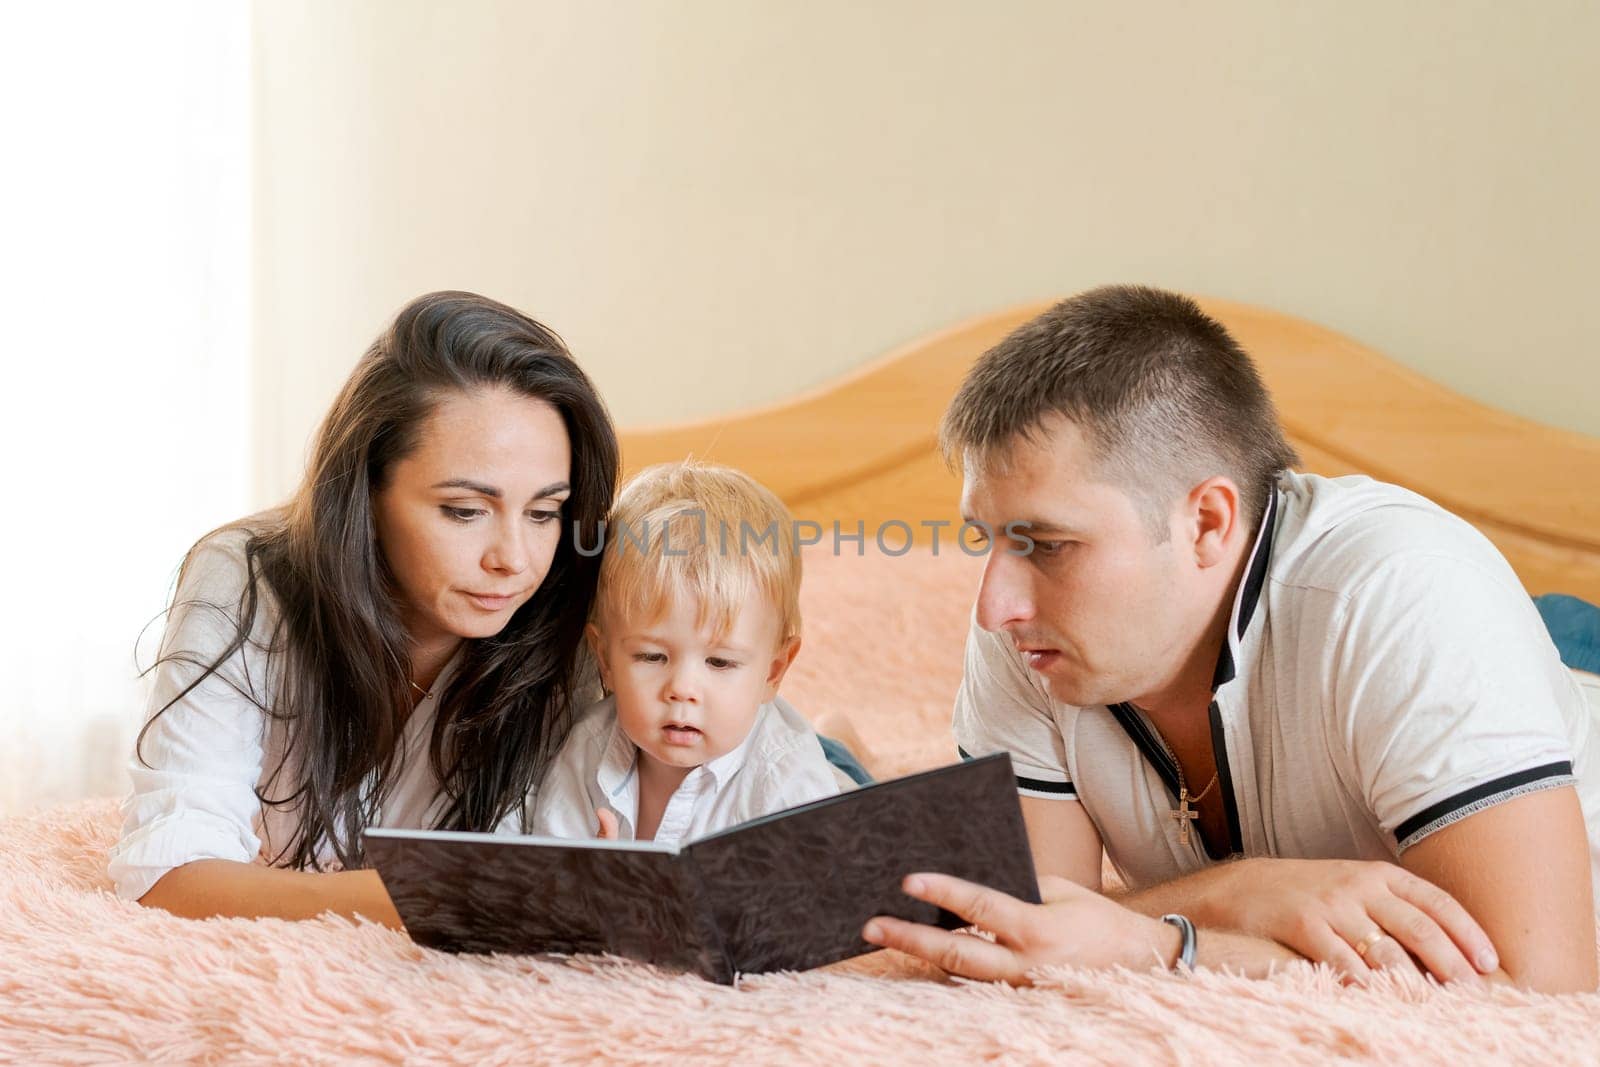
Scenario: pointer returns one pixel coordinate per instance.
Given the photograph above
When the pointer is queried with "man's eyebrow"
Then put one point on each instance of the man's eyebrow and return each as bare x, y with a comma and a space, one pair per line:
493, 493
1041, 526
1030, 526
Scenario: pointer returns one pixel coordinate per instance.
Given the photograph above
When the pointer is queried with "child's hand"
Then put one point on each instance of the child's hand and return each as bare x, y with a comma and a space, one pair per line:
609, 829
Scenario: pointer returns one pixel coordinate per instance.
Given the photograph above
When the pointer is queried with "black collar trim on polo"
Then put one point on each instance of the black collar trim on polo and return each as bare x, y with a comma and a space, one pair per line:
1249, 595
1145, 739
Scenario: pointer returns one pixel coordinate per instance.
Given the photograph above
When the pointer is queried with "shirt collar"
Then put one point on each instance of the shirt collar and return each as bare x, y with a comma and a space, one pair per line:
616, 769
1248, 596
616, 773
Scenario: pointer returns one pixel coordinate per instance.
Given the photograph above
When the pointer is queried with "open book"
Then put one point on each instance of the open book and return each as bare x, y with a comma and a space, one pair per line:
788, 891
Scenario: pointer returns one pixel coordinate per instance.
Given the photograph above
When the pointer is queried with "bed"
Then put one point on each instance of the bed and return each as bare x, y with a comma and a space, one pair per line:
87, 977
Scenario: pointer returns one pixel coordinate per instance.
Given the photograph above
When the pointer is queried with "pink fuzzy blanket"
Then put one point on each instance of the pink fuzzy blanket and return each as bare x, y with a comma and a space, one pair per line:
85, 977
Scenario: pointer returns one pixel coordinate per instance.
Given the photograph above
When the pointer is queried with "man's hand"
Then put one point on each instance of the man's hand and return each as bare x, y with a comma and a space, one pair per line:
1074, 925
1329, 910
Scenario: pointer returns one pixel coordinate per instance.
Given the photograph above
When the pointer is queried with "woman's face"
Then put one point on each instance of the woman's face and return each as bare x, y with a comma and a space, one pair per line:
469, 521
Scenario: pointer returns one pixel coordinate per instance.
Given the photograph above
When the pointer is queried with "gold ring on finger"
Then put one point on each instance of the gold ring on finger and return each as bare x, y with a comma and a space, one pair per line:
1364, 946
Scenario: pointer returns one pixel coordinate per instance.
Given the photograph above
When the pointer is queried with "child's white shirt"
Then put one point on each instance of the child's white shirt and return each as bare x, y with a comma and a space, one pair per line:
779, 765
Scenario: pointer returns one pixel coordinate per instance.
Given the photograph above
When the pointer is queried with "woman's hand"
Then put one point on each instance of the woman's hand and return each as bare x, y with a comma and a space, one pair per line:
609, 830
1074, 925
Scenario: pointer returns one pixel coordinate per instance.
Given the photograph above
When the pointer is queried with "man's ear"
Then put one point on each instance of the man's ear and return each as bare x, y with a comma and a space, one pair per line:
597, 645
781, 662
1214, 519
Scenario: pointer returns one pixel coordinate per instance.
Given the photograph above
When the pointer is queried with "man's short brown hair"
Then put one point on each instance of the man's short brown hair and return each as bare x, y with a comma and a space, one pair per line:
1164, 397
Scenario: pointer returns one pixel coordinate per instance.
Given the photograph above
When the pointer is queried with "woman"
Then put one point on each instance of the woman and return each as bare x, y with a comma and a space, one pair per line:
398, 645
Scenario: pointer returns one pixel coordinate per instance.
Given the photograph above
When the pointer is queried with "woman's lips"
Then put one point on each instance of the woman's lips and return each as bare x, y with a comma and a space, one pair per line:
492, 603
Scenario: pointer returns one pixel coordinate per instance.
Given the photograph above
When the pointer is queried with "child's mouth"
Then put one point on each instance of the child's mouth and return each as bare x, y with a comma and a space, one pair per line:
678, 734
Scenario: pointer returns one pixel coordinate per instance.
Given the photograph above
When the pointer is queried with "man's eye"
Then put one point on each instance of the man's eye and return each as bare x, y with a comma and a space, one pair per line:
460, 514
717, 663
1049, 548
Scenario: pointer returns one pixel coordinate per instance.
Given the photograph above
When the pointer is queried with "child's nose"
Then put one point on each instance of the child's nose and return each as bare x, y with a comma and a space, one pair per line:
683, 686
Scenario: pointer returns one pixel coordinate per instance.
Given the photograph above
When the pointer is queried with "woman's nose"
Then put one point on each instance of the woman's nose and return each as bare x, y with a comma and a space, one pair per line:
508, 553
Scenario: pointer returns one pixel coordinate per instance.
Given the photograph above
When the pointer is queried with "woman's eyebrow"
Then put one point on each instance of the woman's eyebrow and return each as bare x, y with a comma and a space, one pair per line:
470, 485
493, 493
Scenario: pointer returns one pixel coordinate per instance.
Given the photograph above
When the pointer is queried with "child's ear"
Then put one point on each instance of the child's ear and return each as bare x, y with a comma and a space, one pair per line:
597, 645
780, 665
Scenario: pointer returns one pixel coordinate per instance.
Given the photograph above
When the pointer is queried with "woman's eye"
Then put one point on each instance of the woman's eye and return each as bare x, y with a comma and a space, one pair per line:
460, 514
717, 663
541, 518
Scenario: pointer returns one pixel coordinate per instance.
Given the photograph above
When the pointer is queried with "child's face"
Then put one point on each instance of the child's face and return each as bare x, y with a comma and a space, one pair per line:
684, 695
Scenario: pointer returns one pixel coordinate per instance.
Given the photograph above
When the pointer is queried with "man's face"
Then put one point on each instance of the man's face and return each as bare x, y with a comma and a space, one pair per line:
1099, 609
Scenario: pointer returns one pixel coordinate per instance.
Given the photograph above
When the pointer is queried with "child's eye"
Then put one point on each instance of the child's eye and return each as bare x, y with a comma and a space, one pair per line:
460, 514
717, 663
649, 657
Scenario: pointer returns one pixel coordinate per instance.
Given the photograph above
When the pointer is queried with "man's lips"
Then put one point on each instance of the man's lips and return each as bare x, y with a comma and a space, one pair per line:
1040, 658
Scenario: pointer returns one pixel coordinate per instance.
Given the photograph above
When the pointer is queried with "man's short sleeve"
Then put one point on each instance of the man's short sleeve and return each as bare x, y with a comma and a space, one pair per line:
1448, 694
1001, 708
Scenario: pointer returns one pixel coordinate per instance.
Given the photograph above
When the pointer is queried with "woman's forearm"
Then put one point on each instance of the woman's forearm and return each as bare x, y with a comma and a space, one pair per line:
206, 888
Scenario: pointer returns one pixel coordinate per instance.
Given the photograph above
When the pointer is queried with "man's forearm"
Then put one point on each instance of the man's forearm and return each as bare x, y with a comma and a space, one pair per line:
1215, 949
1240, 953
1190, 895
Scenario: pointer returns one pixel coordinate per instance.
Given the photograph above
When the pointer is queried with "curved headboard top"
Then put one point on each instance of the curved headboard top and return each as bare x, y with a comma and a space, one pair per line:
864, 446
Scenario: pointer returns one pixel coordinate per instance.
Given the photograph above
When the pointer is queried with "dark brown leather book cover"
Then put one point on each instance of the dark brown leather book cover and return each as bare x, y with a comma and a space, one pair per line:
785, 892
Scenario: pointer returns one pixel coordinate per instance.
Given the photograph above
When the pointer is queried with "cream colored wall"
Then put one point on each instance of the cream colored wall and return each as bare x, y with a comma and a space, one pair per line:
720, 203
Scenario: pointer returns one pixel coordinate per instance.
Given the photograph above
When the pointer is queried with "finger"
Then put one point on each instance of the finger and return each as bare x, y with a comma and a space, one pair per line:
1382, 951
1451, 917
1387, 954
1001, 914
955, 953
609, 828
1324, 944
1417, 933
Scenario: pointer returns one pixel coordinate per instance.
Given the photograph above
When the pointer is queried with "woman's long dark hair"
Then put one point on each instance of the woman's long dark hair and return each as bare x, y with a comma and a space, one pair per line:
345, 677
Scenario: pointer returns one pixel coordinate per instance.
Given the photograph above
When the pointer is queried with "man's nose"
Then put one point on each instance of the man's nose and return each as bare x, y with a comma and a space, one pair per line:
1005, 593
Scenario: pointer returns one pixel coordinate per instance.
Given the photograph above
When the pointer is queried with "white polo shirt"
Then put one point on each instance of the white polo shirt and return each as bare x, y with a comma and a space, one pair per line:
778, 765
1385, 675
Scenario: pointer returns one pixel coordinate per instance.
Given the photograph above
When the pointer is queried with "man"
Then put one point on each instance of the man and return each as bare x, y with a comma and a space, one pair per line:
1195, 655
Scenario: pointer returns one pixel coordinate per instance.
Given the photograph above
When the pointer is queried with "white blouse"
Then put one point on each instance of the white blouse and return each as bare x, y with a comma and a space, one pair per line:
206, 754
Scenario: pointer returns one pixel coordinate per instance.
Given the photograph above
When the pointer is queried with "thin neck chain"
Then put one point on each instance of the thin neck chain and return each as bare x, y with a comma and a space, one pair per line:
1183, 786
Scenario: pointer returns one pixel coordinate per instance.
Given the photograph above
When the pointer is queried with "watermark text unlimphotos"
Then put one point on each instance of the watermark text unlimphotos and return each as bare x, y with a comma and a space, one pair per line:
894, 537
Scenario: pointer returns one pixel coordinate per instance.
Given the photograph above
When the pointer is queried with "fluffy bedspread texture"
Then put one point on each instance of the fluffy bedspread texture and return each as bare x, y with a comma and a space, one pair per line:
88, 978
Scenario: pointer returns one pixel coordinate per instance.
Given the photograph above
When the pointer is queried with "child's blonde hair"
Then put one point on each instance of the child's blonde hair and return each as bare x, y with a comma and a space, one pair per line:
703, 532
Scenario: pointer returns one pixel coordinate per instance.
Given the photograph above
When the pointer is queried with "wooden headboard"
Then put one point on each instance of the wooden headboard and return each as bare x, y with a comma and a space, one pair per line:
863, 447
